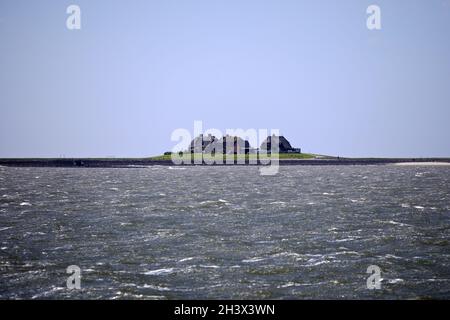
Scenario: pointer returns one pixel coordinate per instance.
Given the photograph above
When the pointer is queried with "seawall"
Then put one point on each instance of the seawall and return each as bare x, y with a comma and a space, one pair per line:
130, 163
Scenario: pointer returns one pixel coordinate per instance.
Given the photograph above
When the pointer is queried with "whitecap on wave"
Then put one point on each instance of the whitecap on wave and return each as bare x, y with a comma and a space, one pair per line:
251, 260
219, 202
393, 281
160, 272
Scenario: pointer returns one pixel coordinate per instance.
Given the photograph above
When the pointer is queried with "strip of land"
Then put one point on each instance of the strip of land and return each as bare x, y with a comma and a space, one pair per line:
284, 160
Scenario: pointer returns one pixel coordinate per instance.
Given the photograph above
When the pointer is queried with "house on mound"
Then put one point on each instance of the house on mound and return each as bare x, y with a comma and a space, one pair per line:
234, 145
199, 144
283, 145
226, 145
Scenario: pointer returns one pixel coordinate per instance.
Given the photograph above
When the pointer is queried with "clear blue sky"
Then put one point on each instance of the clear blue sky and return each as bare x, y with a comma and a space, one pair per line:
137, 70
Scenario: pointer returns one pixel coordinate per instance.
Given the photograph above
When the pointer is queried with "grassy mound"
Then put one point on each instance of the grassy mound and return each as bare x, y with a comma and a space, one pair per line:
238, 156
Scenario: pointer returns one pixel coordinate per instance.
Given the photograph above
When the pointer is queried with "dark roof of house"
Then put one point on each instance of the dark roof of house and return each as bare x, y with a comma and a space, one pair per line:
237, 140
283, 143
228, 144
202, 140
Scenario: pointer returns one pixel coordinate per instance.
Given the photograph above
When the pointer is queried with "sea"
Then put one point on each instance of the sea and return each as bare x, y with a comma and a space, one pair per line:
225, 232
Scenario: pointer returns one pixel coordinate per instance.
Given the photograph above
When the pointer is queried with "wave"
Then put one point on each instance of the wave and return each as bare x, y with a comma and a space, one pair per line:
209, 203
159, 272
251, 260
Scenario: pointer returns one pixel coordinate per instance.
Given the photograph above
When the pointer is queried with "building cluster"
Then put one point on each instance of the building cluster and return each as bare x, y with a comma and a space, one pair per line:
236, 145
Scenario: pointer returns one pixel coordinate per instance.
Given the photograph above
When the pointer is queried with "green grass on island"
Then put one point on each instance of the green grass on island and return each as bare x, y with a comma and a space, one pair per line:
281, 156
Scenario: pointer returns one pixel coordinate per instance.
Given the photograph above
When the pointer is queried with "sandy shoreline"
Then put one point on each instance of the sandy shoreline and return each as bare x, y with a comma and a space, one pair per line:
422, 163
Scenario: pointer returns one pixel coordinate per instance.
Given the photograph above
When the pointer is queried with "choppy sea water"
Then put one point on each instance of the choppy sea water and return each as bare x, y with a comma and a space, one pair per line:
309, 232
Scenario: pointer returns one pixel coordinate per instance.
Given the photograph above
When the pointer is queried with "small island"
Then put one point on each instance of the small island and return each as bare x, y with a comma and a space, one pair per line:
241, 152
